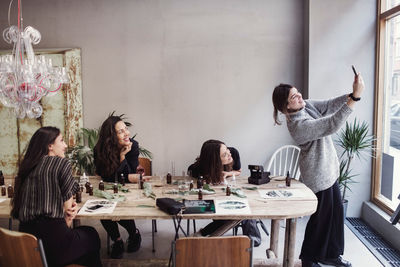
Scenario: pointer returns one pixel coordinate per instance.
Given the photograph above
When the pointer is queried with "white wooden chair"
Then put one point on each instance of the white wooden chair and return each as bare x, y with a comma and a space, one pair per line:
285, 159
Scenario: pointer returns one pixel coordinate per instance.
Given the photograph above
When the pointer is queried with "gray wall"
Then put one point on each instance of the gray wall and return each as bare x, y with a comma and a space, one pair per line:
341, 34
187, 71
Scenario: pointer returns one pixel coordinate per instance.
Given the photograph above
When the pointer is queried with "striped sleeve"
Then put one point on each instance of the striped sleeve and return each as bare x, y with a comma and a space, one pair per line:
66, 181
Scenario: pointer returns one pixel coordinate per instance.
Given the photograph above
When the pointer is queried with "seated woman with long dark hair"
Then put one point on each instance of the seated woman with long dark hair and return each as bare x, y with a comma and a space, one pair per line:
114, 154
215, 163
44, 205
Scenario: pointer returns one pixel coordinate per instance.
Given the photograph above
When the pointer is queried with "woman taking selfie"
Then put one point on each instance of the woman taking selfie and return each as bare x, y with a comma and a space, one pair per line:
44, 205
114, 154
311, 124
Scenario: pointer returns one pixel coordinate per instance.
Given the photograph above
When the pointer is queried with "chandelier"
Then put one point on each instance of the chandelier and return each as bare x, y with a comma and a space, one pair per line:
24, 77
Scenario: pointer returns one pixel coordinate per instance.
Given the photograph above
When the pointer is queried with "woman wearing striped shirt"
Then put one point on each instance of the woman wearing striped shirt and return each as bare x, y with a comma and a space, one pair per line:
44, 205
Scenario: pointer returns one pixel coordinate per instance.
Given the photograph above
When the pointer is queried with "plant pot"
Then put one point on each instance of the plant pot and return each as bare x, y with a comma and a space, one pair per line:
345, 202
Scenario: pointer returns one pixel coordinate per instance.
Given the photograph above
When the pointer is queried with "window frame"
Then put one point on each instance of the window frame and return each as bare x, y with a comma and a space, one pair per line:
382, 17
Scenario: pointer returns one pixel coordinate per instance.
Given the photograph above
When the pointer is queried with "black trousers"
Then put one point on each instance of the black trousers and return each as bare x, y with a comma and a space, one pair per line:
112, 228
63, 245
324, 236
212, 227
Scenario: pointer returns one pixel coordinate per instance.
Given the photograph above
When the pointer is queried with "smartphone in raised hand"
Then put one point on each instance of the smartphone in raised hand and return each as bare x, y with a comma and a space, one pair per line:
354, 70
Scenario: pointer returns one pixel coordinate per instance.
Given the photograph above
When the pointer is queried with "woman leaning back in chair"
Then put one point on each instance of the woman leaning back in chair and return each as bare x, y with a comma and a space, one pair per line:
114, 154
215, 163
44, 205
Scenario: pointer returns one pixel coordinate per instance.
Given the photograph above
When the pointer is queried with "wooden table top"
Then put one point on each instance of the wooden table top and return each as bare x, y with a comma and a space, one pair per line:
138, 206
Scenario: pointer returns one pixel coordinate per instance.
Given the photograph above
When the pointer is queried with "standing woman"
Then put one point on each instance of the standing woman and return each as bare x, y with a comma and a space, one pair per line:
311, 124
215, 163
114, 154
44, 205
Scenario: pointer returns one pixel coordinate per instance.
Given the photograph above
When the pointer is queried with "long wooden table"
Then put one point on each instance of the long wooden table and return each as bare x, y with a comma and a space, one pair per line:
138, 206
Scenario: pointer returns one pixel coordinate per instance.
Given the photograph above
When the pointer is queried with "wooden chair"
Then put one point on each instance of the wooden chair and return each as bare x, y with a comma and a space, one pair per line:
146, 164
285, 159
229, 251
21, 249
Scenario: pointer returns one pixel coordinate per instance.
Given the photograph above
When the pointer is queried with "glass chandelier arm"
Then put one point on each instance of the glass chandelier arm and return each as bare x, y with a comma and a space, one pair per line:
9, 13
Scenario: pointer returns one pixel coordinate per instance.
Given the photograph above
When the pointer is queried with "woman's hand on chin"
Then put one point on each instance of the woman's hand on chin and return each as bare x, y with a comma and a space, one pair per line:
124, 151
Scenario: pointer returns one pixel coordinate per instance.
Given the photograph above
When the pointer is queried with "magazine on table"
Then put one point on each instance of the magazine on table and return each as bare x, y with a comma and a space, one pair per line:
98, 206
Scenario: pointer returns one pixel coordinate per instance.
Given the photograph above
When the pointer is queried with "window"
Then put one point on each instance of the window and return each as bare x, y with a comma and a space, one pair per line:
386, 182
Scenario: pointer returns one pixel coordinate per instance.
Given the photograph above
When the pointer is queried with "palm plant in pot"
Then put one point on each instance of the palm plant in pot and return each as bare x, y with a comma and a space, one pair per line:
355, 143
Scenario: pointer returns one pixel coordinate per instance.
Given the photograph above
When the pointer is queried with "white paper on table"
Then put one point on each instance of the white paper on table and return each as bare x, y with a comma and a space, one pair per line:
281, 193
2, 199
98, 206
232, 206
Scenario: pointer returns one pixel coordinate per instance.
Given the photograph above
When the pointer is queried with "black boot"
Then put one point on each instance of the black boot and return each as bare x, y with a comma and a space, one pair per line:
117, 249
134, 242
338, 262
307, 263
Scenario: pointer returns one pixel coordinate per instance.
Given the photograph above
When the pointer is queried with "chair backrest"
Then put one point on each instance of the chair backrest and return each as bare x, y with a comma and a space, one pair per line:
20, 249
146, 164
284, 159
229, 251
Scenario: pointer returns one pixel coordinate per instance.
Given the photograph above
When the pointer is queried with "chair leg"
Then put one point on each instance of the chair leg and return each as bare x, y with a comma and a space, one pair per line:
188, 227
108, 244
194, 226
263, 226
153, 229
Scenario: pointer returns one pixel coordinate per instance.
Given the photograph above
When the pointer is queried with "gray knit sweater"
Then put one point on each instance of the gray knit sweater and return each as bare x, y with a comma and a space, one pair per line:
311, 129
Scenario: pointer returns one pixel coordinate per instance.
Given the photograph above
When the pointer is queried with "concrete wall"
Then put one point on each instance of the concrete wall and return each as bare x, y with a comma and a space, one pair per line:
182, 71
187, 71
341, 34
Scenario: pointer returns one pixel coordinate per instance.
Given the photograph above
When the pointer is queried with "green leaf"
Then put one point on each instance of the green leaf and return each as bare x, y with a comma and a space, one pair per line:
107, 195
355, 142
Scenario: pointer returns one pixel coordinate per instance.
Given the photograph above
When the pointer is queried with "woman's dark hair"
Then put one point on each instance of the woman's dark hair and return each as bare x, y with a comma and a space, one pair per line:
209, 161
38, 147
107, 149
280, 100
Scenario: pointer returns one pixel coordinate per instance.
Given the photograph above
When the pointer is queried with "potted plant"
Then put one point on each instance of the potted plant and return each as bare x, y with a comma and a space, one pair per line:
355, 142
81, 156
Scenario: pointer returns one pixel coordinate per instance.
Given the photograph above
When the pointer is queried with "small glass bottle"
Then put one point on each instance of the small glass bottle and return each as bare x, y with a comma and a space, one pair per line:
199, 182
191, 185
200, 194
3, 190
141, 183
78, 197
10, 191
233, 180
287, 179
91, 190
101, 185
87, 185
115, 187
169, 178
122, 179
228, 190
1, 178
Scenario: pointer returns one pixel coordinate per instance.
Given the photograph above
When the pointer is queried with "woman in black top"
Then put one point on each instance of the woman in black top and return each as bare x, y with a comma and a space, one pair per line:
215, 163
114, 154
44, 205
